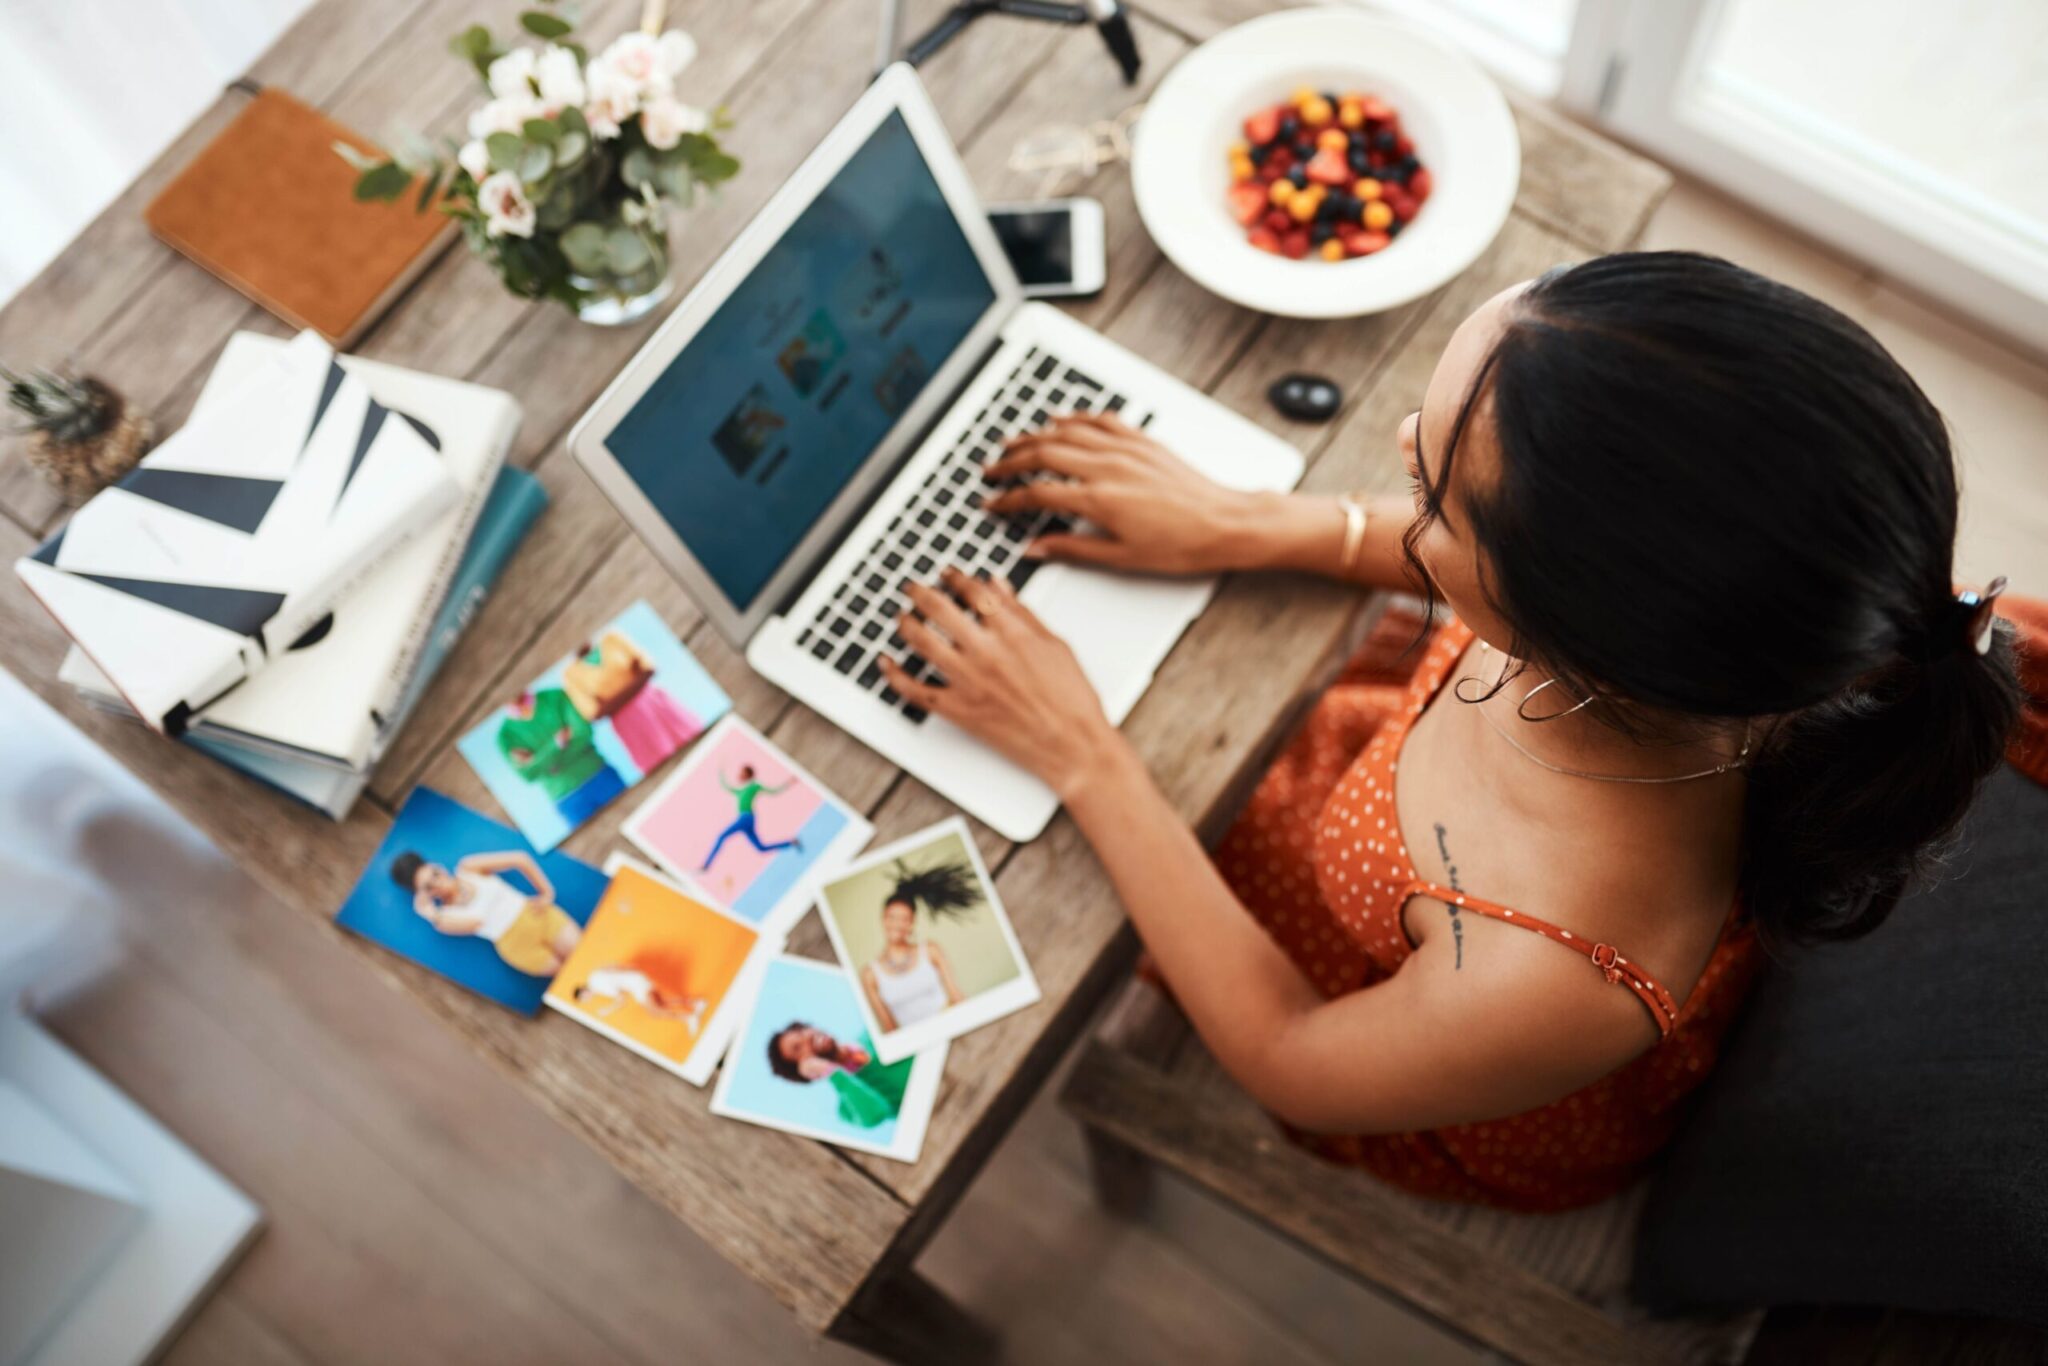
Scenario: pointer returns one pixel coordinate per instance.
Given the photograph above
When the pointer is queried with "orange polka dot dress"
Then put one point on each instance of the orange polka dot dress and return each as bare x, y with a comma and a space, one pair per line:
1318, 858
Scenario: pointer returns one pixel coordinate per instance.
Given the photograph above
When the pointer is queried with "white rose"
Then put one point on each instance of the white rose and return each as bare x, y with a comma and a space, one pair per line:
559, 77
635, 60
676, 50
511, 76
474, 159
507, 211
507, 115
613, 99
664, 121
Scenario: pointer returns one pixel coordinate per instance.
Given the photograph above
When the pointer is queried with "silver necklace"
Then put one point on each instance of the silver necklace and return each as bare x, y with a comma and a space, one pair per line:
1541, 762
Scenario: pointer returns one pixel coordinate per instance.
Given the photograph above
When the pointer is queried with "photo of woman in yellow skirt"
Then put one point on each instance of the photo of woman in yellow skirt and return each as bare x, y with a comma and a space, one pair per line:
531, 934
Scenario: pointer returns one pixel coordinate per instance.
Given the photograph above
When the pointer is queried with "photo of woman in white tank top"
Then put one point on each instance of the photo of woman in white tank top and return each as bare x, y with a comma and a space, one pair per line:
910, 981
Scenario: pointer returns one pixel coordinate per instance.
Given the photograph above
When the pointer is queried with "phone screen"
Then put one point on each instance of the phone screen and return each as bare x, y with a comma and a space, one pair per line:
1039, 243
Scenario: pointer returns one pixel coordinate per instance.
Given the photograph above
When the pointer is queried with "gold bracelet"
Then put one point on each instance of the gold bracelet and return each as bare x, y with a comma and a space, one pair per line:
1355, 517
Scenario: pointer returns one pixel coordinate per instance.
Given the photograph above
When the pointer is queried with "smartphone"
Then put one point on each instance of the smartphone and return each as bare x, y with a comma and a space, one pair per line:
1055, 245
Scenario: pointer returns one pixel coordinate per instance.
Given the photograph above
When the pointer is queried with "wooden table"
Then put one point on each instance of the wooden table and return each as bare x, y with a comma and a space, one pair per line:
831, 1233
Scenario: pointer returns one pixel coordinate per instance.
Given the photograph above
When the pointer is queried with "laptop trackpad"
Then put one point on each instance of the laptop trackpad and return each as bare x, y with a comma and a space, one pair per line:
1120, 626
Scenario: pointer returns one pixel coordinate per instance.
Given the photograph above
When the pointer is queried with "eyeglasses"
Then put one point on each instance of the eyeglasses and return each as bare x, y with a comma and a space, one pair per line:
1067, 155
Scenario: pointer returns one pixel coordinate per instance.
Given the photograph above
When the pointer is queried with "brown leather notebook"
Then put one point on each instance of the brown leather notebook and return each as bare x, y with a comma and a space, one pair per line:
269, 207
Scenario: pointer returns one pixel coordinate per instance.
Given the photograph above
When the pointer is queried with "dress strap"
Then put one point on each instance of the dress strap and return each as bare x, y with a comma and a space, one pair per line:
1617, 969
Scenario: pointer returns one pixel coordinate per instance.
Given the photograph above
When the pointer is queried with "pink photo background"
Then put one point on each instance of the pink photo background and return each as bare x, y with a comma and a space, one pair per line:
691, 815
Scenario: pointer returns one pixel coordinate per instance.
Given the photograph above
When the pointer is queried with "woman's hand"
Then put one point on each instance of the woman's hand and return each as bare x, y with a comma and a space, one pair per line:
1152, 512
1008, 680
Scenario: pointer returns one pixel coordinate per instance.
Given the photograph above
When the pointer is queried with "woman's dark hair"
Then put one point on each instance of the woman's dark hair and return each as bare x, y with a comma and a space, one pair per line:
945, 889
1718, 497
406, 868
778, 1064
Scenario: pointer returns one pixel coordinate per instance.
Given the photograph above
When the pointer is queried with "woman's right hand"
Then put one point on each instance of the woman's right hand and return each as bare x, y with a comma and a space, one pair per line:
1150, 510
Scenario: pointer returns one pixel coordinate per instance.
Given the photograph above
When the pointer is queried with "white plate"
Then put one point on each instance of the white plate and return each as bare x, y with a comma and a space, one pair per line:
1460, 124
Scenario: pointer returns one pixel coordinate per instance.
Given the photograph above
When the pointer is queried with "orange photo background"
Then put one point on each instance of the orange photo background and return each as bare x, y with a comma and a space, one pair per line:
684, 946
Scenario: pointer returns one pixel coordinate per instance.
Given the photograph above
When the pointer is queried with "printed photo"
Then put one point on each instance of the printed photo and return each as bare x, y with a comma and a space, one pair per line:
739, 821
748, 430
593, 725
661, 972
461, 894
809, 357
924, 941
806, 1063
901, 380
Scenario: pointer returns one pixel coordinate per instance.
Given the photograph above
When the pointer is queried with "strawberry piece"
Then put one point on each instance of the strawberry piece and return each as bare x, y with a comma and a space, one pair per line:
1375, 109
1279, 220
1419, 184
1353, 238
1328, 167
1262, 127
1265, 239
1294, 245
1279, 161
1368, 242
1247, 202
1403, 147
1403, 204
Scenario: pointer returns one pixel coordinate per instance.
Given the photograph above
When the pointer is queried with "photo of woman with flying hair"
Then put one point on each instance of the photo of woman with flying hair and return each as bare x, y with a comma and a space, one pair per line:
911, 980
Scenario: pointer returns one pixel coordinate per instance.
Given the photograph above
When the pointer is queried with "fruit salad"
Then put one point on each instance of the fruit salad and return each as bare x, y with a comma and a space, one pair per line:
1332, 175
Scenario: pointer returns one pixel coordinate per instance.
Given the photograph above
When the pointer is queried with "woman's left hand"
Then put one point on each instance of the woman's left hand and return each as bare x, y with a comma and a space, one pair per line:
1008, 680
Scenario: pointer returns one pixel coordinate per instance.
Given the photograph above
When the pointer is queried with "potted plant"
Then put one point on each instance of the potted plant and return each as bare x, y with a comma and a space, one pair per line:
82, 436
565, 180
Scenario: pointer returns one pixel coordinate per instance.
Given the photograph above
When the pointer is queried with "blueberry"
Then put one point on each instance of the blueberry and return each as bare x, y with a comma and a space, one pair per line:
1304, 150
1321, 230
1259, 154
1348, 205
1298, 175
1290, 124
1385, 141
1358, 163
1327, 210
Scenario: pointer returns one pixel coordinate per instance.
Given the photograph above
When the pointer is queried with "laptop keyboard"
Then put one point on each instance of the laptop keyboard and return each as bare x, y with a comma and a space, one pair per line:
942, 523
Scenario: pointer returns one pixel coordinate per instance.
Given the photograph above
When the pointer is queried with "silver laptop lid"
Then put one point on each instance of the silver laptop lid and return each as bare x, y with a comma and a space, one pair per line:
746, 434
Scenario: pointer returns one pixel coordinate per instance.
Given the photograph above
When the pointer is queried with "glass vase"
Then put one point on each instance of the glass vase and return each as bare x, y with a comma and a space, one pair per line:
615, 298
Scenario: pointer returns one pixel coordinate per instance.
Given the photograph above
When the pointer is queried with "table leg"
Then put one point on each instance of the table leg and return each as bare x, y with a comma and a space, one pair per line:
904, 1318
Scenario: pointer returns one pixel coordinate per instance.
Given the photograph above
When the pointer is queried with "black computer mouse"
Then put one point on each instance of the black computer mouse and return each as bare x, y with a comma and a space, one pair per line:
1306, 398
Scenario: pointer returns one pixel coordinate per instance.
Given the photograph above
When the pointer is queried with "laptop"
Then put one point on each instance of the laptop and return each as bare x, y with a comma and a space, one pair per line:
805, 435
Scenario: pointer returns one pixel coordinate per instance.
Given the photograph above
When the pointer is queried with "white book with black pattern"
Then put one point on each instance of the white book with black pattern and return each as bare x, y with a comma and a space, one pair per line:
238, 534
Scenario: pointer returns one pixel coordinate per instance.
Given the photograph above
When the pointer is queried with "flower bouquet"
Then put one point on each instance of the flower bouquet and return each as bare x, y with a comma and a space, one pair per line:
564, 181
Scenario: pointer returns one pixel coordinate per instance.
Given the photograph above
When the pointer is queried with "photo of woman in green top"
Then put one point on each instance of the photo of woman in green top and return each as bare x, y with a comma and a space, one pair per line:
746, 792
870, 1094
548, 743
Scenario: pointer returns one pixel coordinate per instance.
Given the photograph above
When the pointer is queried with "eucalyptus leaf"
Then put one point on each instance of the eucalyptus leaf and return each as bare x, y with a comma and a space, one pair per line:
583, 244
624, 251
637, 168
428, 185
505, 150
474, 43
557, 210
535, 161
541, 24
542, 130
571, 148
387, 181
572, 120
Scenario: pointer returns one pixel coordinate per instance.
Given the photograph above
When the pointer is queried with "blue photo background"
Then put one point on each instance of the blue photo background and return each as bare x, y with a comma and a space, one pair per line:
675, 669
817, 994
444, 831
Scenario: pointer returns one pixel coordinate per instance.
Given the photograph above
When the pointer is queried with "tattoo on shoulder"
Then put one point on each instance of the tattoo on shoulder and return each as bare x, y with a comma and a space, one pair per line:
1443, 847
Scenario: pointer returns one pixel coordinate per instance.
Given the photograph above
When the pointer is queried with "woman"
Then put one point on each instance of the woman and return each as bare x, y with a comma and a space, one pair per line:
529, 931
1707, 679
746, 792
615, 681
655, 978
909, 982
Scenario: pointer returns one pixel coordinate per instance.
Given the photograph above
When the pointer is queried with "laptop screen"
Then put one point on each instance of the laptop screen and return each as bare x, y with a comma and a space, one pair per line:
759, 421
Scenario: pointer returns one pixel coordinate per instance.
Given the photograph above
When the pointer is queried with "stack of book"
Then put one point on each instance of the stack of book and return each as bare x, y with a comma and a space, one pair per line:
277, 584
